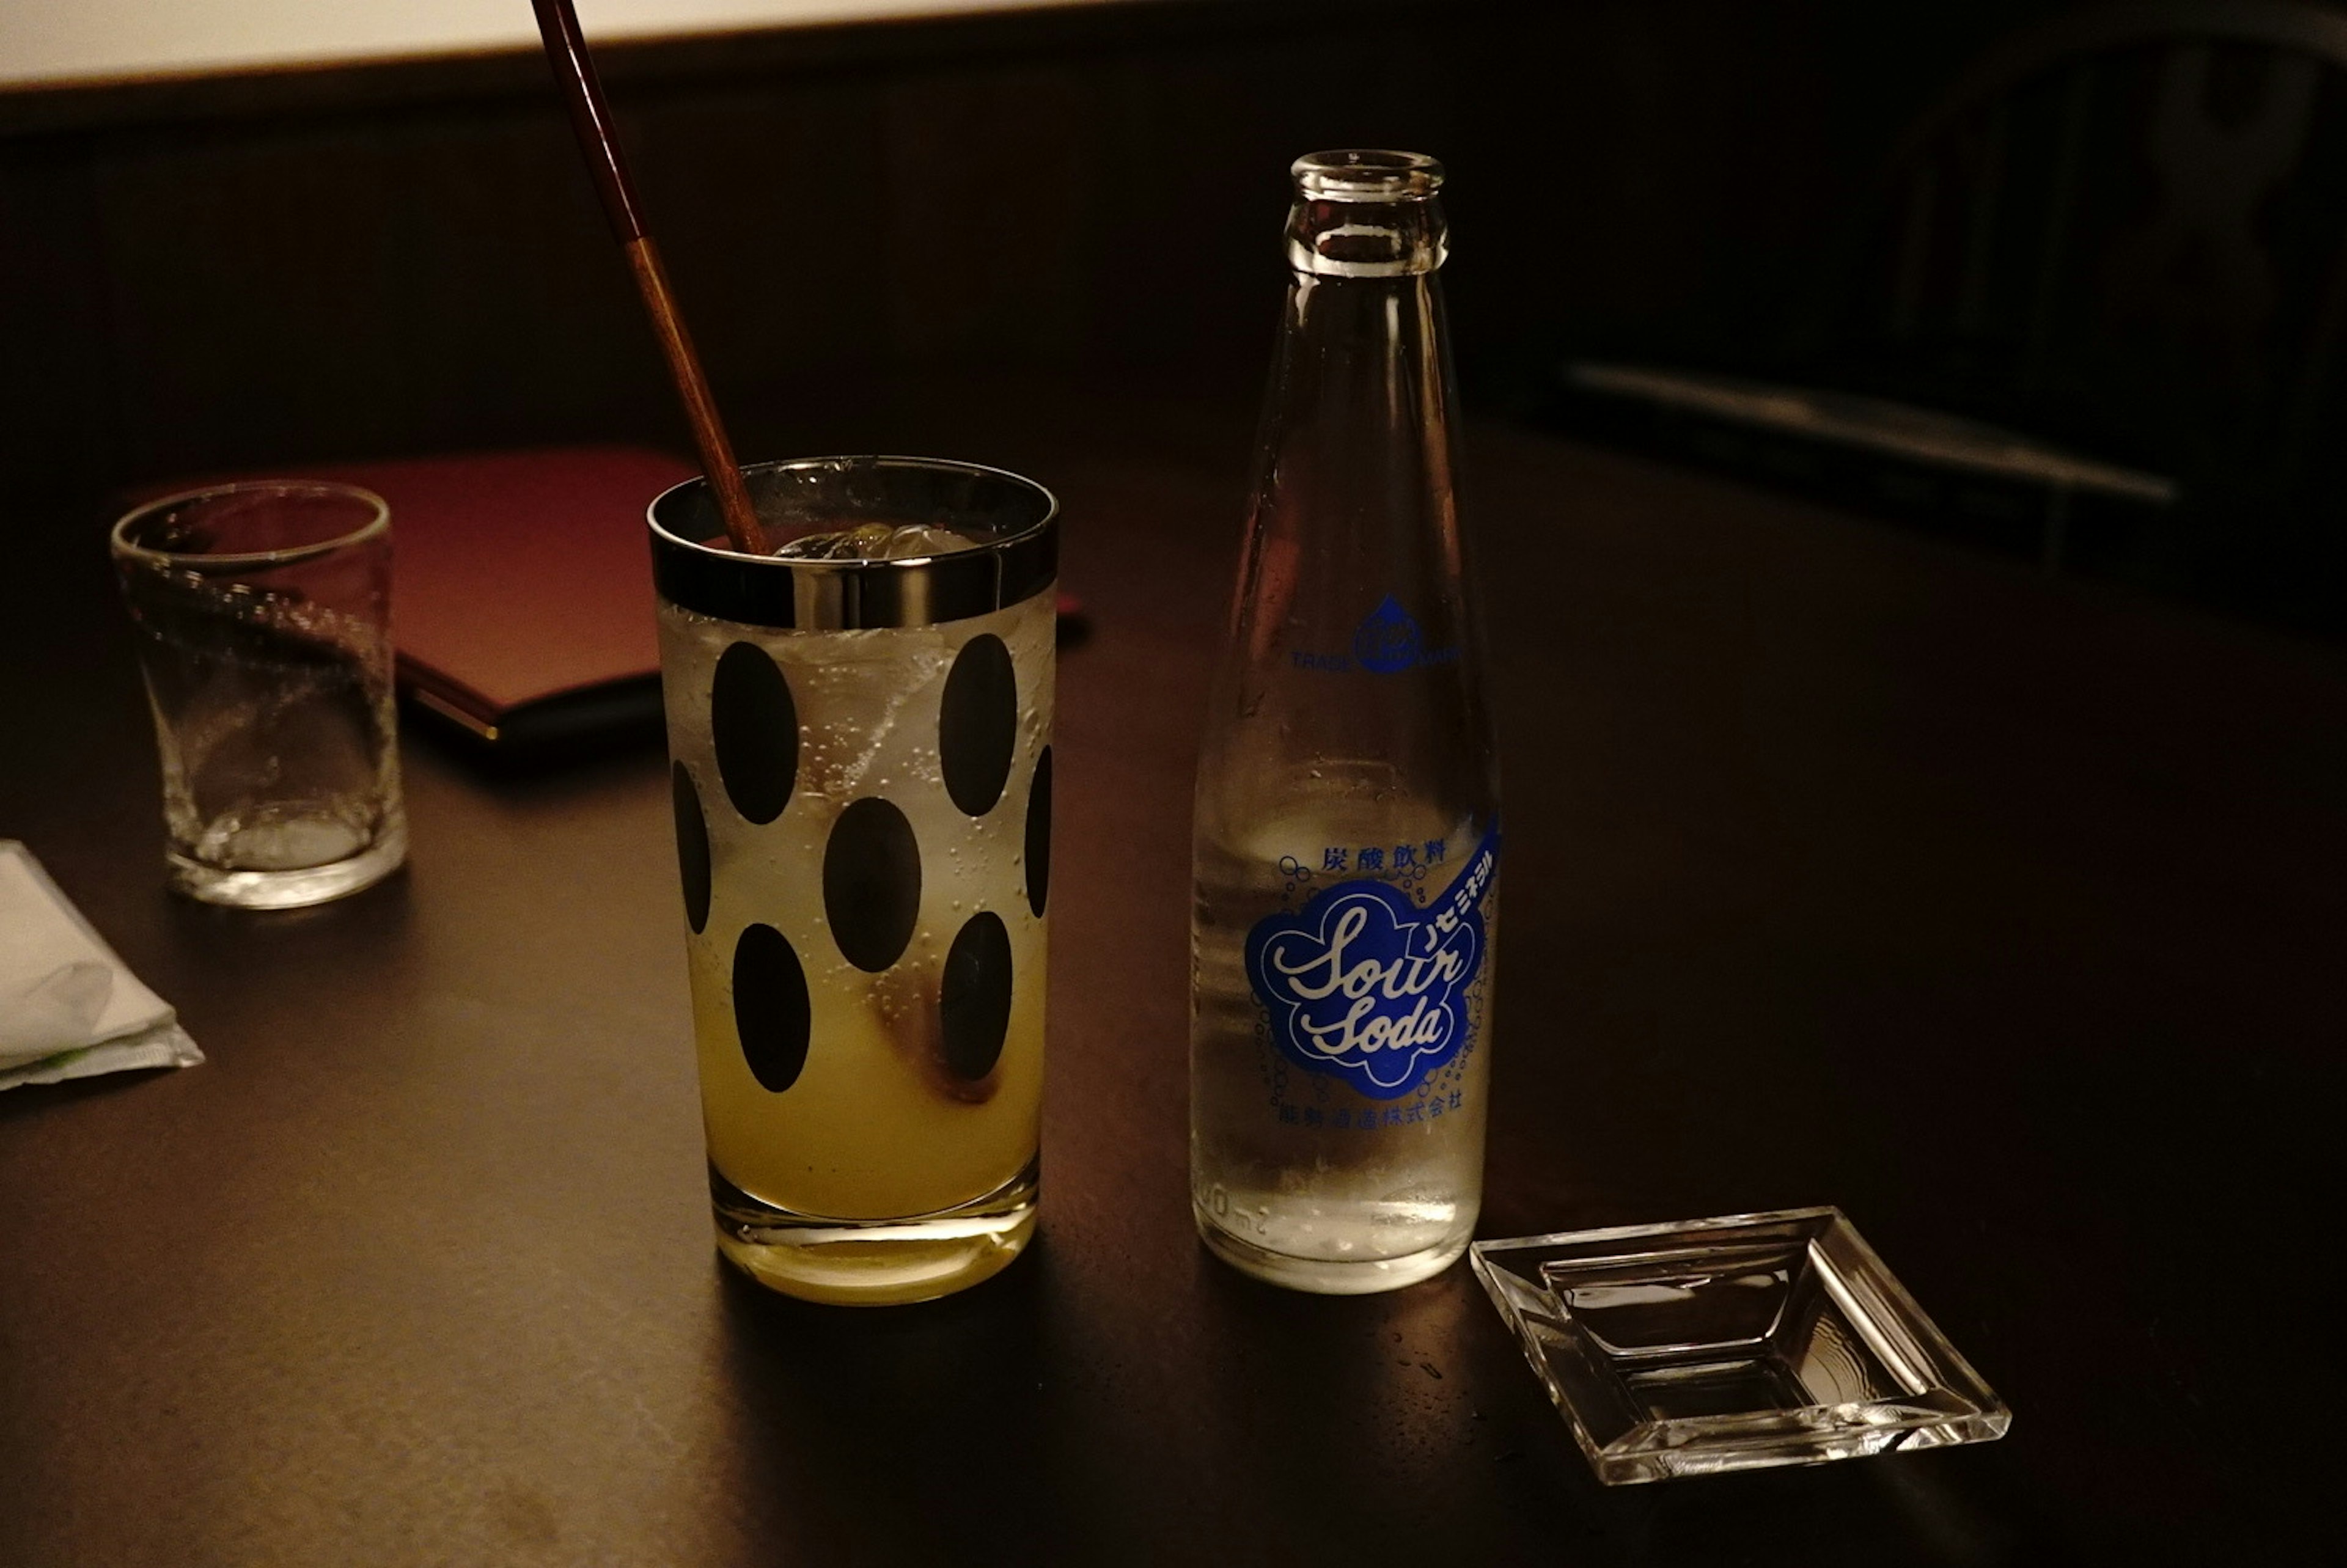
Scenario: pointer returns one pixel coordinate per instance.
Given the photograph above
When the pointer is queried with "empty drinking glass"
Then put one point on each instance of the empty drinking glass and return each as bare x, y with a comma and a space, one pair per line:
263, 613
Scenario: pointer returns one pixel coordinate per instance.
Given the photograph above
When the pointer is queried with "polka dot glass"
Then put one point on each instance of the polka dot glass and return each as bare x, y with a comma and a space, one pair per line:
863, 823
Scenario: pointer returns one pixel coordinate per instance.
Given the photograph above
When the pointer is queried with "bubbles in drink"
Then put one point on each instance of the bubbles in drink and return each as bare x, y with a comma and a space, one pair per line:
923, 946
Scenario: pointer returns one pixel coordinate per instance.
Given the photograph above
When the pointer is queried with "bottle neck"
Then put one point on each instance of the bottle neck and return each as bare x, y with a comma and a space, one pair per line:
1353, 499
1361, 381
1353, 494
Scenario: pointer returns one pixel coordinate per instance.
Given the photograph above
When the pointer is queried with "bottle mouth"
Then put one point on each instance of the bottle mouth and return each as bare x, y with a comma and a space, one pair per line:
1367, 213
1366, 174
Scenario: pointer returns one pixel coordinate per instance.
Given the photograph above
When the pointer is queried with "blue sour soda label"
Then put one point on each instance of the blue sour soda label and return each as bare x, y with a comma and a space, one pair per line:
1367, 987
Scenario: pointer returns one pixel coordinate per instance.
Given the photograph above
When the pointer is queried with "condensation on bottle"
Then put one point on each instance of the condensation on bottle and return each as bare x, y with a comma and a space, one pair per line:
1345, 832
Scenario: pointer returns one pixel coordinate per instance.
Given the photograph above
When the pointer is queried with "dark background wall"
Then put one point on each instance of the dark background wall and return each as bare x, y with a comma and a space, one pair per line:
401, 258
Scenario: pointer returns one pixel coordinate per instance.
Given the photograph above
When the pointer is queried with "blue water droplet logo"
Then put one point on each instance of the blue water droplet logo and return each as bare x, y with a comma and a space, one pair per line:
1387, 640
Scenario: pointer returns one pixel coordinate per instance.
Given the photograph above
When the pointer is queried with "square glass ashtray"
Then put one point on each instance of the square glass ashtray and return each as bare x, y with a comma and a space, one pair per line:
1732, 1344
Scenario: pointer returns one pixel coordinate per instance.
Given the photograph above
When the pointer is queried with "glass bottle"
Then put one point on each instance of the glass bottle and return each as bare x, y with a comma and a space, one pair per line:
1346, 828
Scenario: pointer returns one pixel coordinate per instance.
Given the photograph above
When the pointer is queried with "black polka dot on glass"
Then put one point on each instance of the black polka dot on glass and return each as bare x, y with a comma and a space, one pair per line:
755, 727
1039, 835
974, 997
871, 883
692, 847
770, 1016
978, 724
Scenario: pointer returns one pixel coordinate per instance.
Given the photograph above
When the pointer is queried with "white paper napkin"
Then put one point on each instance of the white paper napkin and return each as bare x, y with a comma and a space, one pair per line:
68, 1008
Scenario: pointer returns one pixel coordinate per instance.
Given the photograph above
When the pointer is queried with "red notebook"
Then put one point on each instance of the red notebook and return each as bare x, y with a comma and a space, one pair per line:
522, 588
521, 598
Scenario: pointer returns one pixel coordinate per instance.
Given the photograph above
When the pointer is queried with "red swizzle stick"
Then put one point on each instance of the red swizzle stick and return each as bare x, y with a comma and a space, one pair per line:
591, 116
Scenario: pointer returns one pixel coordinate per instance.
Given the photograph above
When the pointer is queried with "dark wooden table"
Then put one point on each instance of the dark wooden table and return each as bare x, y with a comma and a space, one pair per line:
1844, 867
